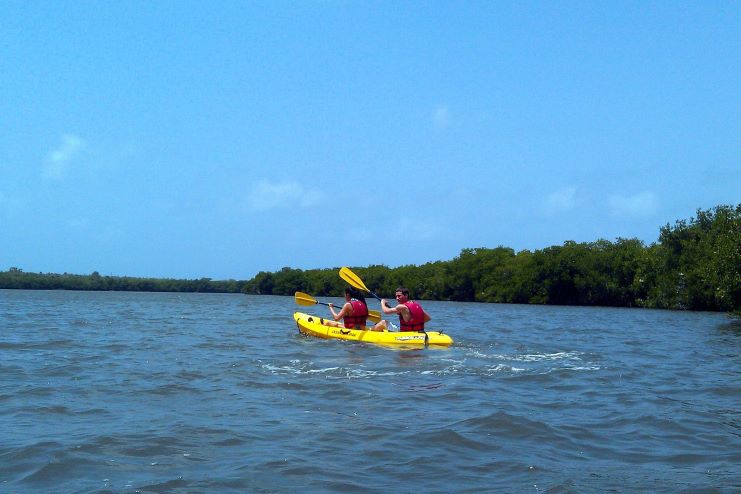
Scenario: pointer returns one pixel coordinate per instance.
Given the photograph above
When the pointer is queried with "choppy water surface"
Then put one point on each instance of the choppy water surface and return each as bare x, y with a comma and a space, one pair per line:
142, 392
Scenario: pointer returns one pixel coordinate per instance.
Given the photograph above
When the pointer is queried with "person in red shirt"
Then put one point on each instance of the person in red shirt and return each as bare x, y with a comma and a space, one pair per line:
412, 317
354, 312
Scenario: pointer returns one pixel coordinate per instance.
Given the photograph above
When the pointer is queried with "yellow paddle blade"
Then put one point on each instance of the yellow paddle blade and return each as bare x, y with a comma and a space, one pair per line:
352, 279
304, 299
374, 315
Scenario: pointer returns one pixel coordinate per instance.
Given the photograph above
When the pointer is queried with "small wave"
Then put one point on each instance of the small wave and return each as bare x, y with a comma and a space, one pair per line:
528, 357
540, 357
42, 345
33, 391
116, 347
53, 469
504, 424
334, 372
171, 389
165, 486
12, 372
231, 441
295, 369
499, 368
584, 368
452, 440
189, 375
19, 454
51, 410
424, 387
151, 446
570, 361
365, 373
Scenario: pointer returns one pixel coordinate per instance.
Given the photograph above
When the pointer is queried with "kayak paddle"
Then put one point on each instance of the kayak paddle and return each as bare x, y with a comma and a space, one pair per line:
354, 280
306, 299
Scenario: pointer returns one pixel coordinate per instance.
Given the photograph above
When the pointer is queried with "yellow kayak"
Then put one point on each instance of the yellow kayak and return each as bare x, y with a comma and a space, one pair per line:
312, 325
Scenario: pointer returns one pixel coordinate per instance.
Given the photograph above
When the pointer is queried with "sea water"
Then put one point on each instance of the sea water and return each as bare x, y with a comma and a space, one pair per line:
182, 393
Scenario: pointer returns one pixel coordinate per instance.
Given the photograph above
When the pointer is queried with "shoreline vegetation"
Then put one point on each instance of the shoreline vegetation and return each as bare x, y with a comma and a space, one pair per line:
695, 265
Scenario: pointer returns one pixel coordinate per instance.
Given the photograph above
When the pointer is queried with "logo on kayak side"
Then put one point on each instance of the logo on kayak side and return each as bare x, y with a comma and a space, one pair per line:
408, 338
344, 332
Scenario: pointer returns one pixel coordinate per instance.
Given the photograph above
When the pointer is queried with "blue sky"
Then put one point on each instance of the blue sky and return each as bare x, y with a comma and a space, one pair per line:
185, 139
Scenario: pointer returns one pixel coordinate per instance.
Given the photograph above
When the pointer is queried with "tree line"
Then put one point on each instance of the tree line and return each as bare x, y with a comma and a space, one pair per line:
16, 278
694, 265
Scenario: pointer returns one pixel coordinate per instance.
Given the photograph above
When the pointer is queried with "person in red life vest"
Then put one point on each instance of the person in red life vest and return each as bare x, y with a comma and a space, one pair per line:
353, 313
412, 317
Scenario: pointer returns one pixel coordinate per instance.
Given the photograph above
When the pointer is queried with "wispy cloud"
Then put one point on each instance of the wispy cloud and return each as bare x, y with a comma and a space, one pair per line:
266, 196
59, 160
419, 230
441, 117
560, 201
641, 204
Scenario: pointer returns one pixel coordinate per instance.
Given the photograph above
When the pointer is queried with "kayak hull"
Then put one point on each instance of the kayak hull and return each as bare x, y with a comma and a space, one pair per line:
312, 325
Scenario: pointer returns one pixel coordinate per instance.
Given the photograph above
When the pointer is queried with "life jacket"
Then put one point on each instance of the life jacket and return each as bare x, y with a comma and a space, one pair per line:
417, 322
359, 314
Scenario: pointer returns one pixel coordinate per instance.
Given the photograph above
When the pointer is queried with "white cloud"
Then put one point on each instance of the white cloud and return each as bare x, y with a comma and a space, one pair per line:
266, 195
560, 201
641, 204
58, 161
441, 117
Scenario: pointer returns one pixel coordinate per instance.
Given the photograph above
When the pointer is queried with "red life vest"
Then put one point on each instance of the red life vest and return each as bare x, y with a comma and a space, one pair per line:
417, 321
359, 314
